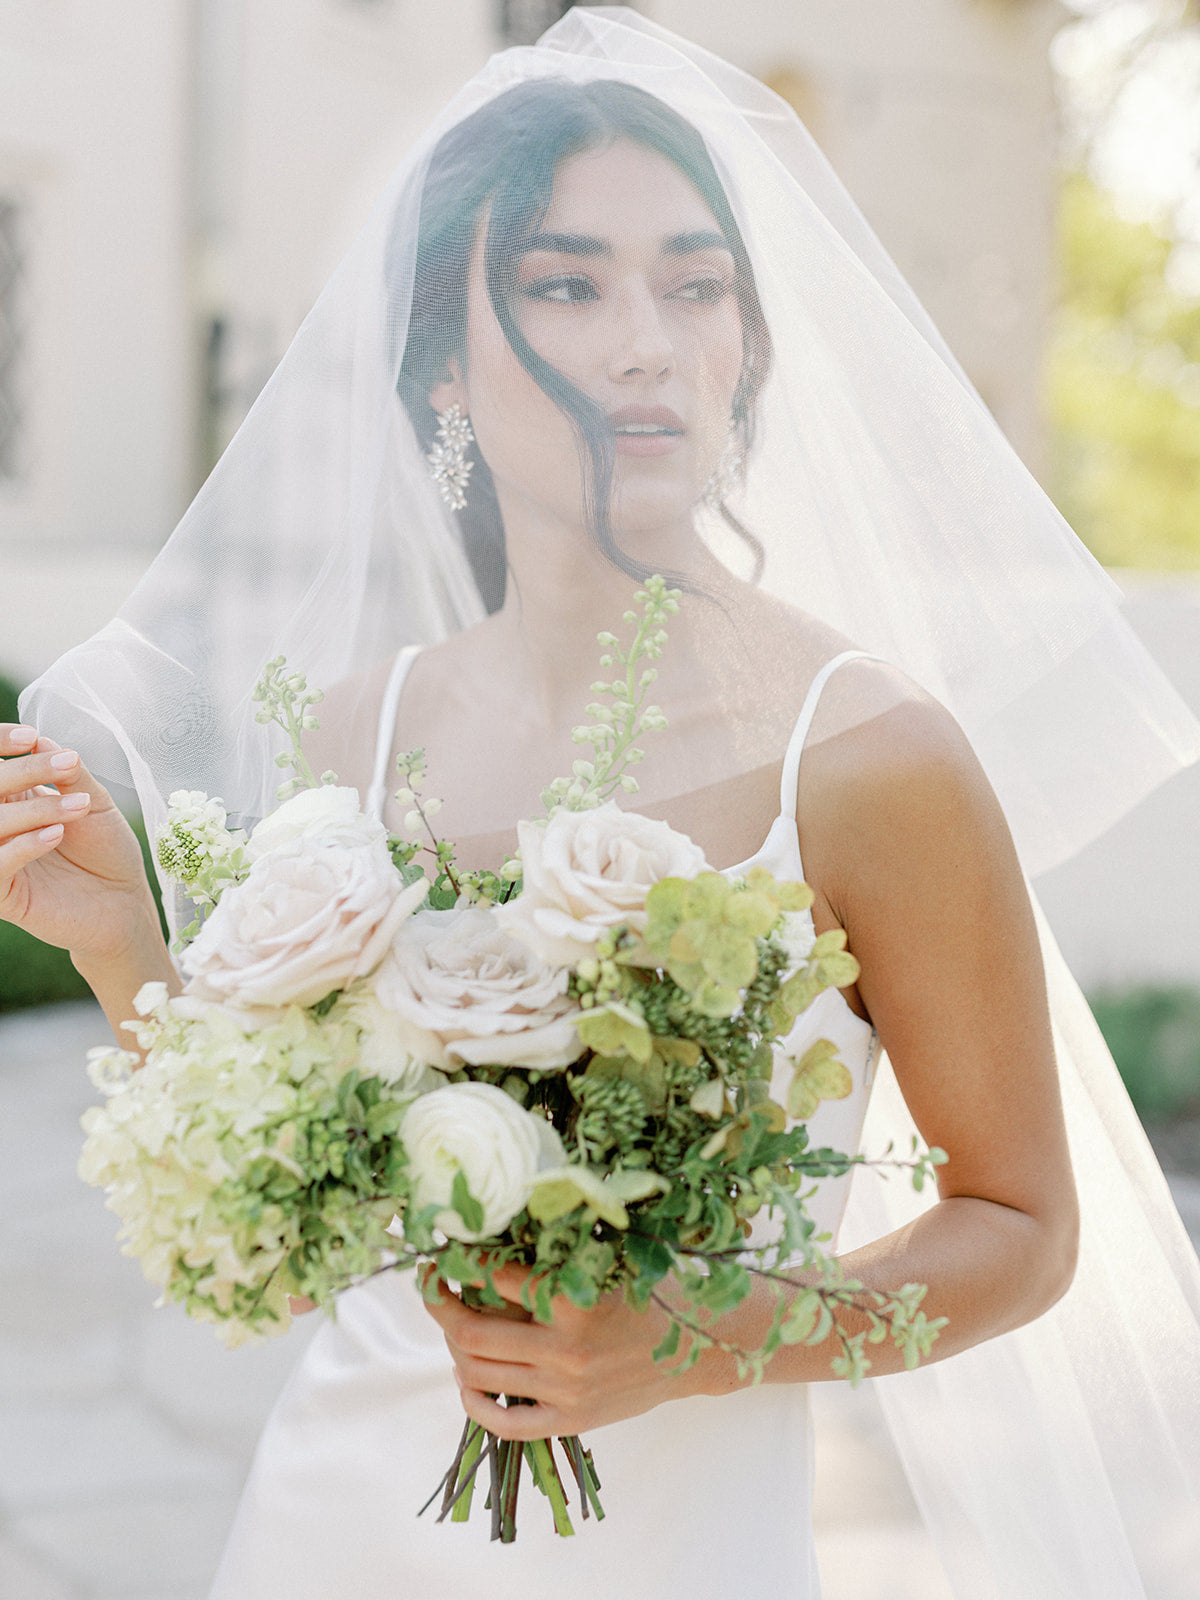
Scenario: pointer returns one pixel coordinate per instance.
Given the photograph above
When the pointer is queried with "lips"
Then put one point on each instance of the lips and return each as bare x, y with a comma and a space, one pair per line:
647, 430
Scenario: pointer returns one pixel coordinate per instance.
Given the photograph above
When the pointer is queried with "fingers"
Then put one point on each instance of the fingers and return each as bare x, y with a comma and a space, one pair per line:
483, 1334
515, 1283
33, 761
26, 848
514, 1422
503, 1377
33, 827
41, 809
43, 789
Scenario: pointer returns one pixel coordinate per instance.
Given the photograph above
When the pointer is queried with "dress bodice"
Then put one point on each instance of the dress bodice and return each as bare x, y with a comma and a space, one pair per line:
836, 1124
371, 1416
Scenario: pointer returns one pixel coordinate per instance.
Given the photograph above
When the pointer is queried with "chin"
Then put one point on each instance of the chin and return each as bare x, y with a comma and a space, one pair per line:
651, 509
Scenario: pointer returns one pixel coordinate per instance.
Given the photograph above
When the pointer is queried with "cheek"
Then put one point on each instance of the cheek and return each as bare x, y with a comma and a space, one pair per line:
720, 354
522, 435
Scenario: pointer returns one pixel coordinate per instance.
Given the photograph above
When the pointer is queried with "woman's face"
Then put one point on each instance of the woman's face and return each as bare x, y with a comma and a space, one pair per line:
627, 290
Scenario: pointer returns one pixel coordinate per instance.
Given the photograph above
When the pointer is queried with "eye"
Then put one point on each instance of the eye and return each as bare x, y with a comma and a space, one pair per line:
706, 290
570, 289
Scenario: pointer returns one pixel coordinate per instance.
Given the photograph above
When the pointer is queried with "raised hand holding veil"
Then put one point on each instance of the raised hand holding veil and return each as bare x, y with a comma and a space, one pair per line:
874, 493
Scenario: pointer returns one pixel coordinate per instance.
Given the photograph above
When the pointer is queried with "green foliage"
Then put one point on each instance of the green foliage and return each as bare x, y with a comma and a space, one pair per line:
614, 727
33, 973
272, 1167
1154, 1035
284, 698
1123, 389
8, 701
706, 933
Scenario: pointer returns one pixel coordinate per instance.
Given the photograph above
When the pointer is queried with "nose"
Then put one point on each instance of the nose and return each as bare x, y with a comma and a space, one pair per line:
643, 347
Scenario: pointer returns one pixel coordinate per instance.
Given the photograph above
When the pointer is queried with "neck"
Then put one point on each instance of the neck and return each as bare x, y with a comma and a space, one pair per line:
562, 592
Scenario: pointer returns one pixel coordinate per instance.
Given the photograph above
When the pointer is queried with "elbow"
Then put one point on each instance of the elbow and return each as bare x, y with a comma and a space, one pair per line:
1058, 1252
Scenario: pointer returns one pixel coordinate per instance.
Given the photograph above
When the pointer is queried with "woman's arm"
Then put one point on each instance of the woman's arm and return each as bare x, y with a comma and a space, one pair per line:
910, 853
71, 872
923, 875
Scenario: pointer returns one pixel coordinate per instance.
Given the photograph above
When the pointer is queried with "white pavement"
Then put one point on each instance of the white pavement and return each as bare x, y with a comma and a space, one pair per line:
125, 1432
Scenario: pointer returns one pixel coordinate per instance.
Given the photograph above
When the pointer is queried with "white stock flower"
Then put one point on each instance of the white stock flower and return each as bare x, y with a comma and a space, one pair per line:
587, 871
309, 917
193, 809
328, 813
478, 1130
465, 989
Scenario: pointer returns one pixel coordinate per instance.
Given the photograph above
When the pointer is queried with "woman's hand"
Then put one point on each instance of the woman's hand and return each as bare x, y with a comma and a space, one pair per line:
71, 871
582, 1370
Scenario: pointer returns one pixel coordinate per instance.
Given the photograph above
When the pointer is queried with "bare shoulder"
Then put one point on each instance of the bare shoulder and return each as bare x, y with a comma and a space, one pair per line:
892, 791
875, 726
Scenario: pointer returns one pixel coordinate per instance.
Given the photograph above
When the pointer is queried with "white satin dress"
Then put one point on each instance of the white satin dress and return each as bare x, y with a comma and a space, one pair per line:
705, 1499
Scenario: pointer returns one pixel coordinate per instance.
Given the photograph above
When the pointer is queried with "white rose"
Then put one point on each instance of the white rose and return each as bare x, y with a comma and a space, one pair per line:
462, 987
328, 813
383, 1045
309, 917
478, 1130
587, 871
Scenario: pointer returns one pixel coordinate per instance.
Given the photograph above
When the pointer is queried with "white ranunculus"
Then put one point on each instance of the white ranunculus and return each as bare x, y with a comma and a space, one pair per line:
383, 1043
464, 989
587, 871
478, 1130
328, 813
309, 917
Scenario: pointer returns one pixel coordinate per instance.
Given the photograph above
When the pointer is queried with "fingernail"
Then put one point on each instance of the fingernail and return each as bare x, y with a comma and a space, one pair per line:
47, 834
64, 761
76, 802
22, 735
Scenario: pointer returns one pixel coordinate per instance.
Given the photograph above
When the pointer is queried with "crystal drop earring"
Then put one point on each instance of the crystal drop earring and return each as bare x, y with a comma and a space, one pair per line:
448, 464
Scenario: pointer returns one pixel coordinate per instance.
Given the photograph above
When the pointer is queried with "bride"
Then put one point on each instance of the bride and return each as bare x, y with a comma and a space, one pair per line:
613, 317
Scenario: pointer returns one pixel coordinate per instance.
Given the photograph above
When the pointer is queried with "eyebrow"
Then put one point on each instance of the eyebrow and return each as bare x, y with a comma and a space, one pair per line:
586, 244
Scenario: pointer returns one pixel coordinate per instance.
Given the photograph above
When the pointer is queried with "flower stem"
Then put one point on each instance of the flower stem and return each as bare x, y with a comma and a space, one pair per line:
545, 1470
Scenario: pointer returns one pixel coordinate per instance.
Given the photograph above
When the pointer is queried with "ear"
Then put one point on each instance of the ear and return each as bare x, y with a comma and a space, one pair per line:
452, 391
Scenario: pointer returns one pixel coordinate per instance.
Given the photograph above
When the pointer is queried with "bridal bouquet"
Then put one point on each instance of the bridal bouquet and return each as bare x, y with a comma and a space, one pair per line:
575, 1063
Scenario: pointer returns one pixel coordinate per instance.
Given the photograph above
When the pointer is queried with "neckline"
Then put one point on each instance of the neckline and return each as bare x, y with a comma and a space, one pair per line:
740, 868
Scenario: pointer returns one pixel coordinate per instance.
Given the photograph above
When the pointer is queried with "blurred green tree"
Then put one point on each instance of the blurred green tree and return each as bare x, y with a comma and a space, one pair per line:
1123, 388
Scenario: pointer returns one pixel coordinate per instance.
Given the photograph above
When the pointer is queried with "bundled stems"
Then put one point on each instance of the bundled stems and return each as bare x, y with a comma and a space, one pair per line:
505, 1458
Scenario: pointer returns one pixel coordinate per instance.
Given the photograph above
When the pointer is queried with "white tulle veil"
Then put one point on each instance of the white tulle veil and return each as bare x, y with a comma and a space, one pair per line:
1062, 1460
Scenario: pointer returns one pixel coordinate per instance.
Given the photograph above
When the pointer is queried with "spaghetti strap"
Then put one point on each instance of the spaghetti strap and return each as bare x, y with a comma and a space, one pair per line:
377, 793
790, 777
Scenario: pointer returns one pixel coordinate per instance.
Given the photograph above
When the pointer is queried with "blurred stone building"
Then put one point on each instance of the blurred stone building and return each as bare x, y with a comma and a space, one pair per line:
178, 178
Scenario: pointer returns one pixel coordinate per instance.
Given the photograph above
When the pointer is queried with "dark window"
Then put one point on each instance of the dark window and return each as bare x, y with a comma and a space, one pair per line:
523, 21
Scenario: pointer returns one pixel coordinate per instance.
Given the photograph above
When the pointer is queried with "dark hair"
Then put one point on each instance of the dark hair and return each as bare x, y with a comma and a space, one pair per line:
508, 152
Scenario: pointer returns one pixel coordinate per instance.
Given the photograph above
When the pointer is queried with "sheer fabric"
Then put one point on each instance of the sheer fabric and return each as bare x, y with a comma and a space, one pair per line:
882, 502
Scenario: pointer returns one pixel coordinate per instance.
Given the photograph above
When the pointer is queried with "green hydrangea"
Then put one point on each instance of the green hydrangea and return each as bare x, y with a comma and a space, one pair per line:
248, 1159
